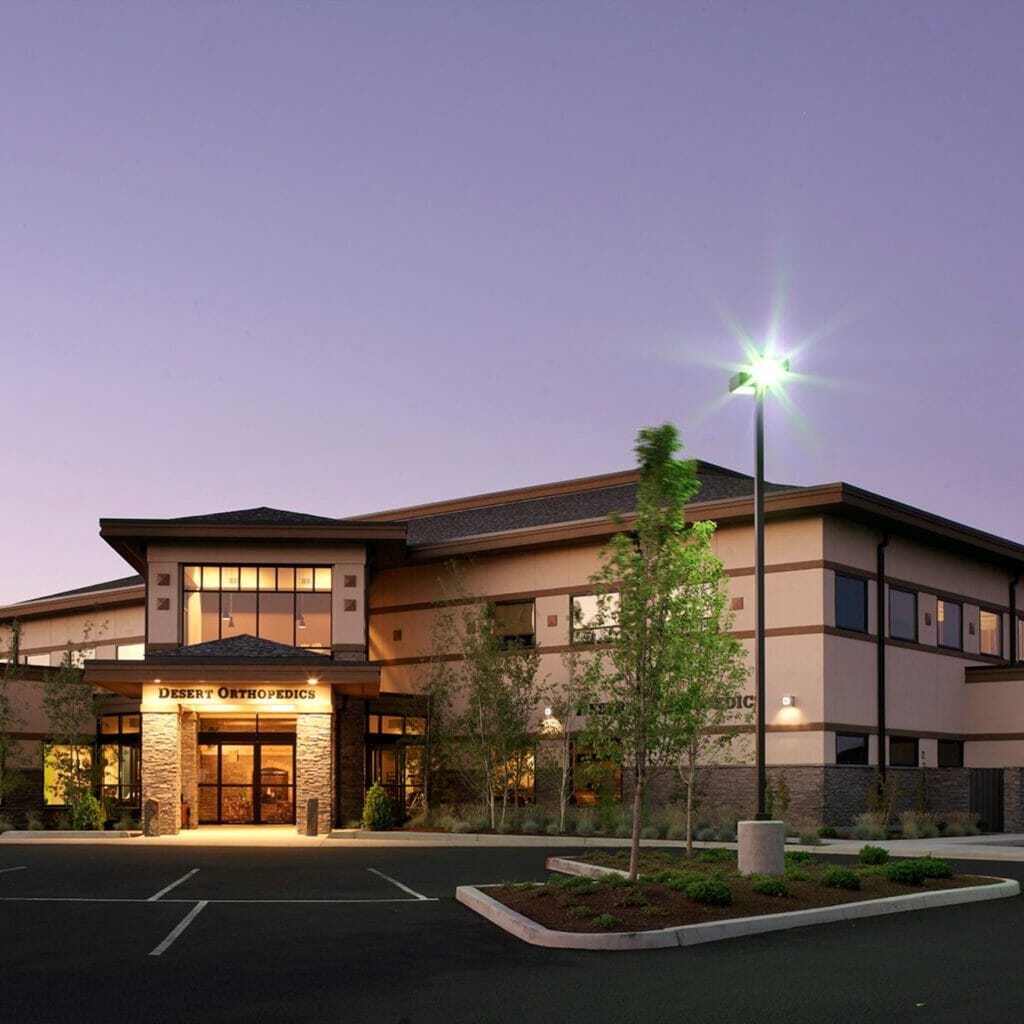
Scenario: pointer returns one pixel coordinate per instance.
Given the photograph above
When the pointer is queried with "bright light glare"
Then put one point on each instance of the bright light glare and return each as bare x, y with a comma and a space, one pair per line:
764, 373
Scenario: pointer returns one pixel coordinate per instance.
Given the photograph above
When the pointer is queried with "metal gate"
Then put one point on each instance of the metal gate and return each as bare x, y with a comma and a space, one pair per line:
985, 789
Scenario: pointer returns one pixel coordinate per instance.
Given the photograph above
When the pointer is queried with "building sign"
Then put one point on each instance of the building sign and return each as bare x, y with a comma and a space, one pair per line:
163, 697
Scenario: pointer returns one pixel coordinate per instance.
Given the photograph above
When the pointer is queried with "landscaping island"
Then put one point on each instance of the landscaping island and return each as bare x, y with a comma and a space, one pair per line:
592, 904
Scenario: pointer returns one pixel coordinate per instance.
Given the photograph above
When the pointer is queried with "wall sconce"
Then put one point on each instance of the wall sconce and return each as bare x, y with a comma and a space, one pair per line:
789, 701
547, 712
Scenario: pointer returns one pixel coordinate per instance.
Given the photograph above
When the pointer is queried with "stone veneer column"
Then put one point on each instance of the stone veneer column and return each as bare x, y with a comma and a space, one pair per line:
314, 768
352, 770
190, 767
161, 766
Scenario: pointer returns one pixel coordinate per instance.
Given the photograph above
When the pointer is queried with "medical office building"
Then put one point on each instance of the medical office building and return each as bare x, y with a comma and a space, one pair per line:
261, 659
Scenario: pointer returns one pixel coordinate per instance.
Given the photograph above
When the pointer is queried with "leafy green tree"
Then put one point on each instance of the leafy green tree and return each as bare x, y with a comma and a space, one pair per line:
644, 683
11, 778
71, 710
487, 688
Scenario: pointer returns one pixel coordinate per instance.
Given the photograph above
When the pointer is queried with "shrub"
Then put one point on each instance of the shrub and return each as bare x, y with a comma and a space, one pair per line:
960, 823
463, 827
533, 826
710, 890
808, 837
579, 910
799, 857
867, 826
88, 815
578, 885
676, 879
726, 834
797, 874
632, 897
650, 832
917, 825
551, 828
677, 832
915, 870
907, 872
873, 855
769, 886
6, 825
705, 834
827, 832
715, 856
607, 921
377, 813
584, 824
836, 877
126, 821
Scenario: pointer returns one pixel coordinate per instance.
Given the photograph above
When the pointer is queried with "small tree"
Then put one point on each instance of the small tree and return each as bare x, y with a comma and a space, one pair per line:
11, 778
715, 673
644, 689
565, 706
71, 710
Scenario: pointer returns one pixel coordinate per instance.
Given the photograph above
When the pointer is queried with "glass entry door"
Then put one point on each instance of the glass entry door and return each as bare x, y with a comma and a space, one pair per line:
246, 783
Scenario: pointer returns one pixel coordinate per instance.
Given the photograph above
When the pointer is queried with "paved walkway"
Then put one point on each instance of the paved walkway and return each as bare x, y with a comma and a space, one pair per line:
996, 847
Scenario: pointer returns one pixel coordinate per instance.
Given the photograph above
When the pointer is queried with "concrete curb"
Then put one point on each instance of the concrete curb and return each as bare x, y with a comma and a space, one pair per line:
43, 836
713, 931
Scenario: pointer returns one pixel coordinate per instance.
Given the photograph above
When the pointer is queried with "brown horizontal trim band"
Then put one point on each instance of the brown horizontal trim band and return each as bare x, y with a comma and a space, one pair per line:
348, 647
773, 567
29, 736
521, 595
85, 645
994, 674
425, 659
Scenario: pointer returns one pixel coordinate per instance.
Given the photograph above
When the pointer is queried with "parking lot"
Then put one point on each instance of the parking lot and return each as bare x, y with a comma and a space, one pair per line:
349, 931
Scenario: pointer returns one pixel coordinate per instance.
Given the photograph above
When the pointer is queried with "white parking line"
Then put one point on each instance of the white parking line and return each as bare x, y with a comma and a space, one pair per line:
21, 867
167, 888
182, 925
394, 881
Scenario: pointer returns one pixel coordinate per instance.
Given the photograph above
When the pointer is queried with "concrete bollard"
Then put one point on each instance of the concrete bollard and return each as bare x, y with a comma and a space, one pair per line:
762, 845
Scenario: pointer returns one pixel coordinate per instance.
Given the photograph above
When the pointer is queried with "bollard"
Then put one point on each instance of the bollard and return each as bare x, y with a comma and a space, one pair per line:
151, 818
312, 817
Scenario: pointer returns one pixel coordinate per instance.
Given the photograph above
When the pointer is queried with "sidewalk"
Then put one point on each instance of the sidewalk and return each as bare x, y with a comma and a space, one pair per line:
996, 847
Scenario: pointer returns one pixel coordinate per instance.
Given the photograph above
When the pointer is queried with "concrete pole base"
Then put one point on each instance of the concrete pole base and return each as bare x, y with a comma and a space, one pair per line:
762, 844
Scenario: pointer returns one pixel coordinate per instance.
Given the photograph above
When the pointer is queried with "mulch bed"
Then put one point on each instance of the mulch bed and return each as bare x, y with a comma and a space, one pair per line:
666, 908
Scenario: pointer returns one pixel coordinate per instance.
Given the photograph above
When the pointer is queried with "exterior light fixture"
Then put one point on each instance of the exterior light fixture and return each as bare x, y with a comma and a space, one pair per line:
789, 701
547, 712
311, 681
764, 372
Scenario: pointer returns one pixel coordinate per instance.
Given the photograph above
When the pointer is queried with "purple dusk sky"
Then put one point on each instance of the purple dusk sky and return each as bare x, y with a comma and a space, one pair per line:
344, 257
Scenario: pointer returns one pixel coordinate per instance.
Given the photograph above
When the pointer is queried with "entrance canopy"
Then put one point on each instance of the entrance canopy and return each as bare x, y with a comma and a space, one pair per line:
239, 668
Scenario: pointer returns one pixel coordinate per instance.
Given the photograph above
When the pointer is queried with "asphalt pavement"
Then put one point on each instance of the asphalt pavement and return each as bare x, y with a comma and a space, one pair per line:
333, 930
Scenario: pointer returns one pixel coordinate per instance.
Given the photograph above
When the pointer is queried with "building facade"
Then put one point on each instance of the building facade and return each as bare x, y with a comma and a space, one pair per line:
265, 666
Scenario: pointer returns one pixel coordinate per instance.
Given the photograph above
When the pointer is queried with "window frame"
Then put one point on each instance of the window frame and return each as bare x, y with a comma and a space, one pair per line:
916, 741
957, 745
911, 594
998, 653
850, 578
866, 745
580, 634
944, 602
517, 639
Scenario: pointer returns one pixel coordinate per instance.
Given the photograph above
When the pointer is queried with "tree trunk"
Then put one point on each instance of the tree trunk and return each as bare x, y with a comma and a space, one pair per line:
634, 850
689, 813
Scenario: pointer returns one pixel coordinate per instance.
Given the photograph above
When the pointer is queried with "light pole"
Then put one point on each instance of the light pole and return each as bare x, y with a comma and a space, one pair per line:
764, 372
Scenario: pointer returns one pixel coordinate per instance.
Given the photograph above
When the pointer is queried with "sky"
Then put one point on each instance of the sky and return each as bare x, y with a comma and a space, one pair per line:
347, 257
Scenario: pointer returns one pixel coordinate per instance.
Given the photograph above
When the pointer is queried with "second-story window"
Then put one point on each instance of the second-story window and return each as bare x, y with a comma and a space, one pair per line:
513, 620
595, 618
902, 614
285, 603
851, 603
949, 618
991, 641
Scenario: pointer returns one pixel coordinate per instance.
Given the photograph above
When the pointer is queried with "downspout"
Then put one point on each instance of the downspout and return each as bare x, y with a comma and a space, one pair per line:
1014, 653
880, 620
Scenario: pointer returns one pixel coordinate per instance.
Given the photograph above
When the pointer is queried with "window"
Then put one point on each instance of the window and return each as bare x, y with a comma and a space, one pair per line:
594, 780
949, 615
513, 620
951, 753
991, 633
903, 751
851, 603
65, 768
394, 758
286, 604
851, 748
594, 619
121, 755
902, 614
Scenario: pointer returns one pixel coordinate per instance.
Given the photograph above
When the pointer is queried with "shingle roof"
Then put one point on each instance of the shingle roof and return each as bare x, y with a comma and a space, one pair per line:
716, 484
244, 646
259, 516
124, 581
